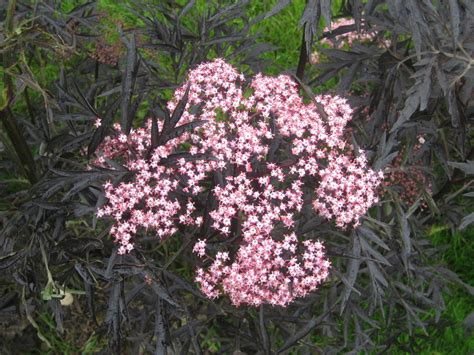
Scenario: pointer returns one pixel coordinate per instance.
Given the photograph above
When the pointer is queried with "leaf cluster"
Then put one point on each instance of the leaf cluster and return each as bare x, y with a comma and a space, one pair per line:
385, 280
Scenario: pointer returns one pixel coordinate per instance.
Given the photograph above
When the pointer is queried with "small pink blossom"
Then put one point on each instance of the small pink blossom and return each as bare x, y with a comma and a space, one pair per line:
97, 122
200, 248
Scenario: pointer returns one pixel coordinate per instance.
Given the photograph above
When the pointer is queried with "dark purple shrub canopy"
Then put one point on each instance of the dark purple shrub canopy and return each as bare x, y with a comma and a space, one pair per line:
404, 73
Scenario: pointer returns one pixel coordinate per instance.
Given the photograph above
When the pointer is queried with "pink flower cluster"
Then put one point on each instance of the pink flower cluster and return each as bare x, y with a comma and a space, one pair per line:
267, 271
348, 39
342, 193
264, 155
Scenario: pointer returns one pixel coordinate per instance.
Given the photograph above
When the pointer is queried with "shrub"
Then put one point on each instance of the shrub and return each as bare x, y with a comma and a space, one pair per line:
61, 135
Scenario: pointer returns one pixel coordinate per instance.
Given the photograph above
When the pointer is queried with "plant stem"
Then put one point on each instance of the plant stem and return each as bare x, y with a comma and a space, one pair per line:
6, 114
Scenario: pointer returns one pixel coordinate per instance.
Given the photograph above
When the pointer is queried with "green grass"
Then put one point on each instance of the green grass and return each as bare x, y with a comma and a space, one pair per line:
450, 337
459, 255
67, 343
282, 31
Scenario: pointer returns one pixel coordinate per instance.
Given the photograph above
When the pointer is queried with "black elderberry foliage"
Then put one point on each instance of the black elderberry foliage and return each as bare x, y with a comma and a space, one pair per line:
413, 100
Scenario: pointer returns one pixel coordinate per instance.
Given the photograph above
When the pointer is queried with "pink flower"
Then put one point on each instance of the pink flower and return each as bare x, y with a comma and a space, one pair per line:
97, 122
339, 41
200, 248
261, 191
